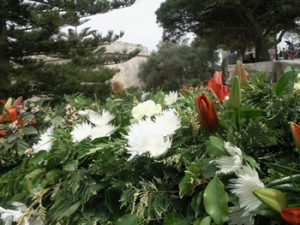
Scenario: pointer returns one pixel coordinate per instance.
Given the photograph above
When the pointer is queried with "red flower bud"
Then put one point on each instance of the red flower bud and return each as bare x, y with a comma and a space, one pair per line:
207, 113
295, 128
291, 215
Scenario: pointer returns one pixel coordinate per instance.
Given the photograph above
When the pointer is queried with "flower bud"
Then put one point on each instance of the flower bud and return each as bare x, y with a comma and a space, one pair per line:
235, 93
271, 197
295, 128
207, 113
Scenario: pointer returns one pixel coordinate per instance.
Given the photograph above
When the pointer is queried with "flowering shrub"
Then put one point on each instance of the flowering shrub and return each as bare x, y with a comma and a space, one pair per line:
163, 158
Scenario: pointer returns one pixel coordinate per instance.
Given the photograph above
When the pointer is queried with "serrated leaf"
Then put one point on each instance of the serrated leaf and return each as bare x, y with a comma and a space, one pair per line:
128, 219
175, 219
216, 201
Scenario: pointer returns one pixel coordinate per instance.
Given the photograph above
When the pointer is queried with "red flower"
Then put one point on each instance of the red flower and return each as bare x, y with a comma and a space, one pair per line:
2, 101
3, 132
295, 128
18, 101
13, 114
207, 113
216, 85
291, 215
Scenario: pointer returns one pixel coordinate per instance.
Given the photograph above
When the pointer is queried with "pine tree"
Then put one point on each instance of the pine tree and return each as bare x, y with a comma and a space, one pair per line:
31, 28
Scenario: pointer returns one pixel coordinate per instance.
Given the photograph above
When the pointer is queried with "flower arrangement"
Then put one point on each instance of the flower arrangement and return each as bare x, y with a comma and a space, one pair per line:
216, 155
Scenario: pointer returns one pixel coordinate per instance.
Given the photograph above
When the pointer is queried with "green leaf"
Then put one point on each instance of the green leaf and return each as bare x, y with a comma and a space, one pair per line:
128, 219
59, 214
205, 221
29, 130
12, 138
196, 203
286, 83
216, 201
175, 219
22, 145
248, 112
215, 147
191, 179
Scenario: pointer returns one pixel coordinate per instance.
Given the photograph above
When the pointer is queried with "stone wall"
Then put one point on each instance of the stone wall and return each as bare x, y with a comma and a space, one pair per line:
274, 68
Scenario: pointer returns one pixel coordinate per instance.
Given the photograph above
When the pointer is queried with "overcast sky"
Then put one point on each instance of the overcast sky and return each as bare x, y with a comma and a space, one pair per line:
137, 21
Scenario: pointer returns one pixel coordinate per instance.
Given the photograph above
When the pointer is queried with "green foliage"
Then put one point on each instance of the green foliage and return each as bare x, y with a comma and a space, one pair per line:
173, 65
99, 182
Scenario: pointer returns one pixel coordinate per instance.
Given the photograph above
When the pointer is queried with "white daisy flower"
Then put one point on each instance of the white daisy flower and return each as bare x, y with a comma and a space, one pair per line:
232, 163
147, 108
171, 98
8, 216
167, 123
153, 136
81, 132
45, 141
102, 131
243, 186
238, 216
100, 119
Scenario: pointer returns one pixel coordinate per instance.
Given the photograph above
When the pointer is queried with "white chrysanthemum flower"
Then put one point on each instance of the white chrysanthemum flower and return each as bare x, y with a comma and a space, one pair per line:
8, 216
45, 141
171, 98
142, 138
167, 123
153, 136
102, 131
147, 108
243, 186
81, 132
238, 216
232, 163
100, 119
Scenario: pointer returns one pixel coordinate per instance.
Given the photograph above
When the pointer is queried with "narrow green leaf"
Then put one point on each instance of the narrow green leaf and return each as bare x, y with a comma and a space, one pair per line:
128, 219
175, 219
196, 203
216, 201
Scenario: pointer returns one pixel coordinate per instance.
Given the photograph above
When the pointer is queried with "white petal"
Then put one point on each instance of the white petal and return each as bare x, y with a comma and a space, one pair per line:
228, 164
243, 186
100, 119
102, 131
171, 98
81, 132
232, 150
45, 141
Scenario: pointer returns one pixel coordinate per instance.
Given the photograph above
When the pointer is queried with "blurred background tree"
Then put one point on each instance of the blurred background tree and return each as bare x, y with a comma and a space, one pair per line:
176, 64
236, 24
31, 30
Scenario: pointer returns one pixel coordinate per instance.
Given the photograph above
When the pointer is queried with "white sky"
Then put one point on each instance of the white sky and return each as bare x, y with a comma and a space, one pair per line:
138, 22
